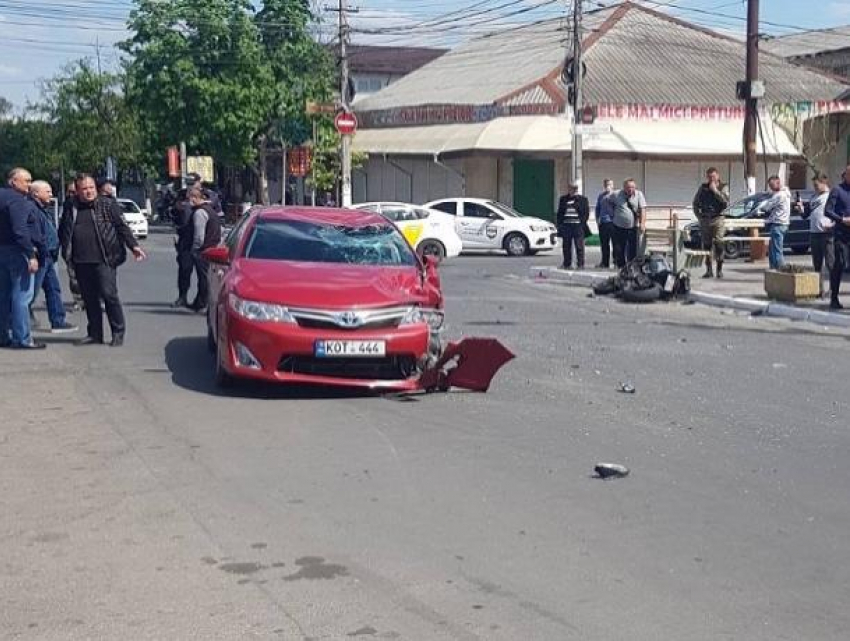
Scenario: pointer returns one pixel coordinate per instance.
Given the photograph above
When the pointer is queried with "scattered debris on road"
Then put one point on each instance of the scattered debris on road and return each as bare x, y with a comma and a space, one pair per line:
470, 363
611, 471
646, 279
627, 388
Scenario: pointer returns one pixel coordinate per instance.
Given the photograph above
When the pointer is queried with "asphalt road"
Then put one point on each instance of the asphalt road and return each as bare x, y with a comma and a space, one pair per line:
139, 503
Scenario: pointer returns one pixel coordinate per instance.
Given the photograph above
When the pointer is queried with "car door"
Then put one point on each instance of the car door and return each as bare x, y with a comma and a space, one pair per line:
449, 207
480, 226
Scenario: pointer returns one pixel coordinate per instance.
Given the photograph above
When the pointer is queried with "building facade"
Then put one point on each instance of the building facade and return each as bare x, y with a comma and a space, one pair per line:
490, 118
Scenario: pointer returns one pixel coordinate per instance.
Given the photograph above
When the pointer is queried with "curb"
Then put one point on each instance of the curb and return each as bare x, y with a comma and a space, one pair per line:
749, 305
565, 277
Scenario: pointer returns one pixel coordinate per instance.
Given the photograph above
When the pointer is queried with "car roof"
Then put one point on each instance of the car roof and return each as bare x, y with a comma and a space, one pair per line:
322, 215
465, 199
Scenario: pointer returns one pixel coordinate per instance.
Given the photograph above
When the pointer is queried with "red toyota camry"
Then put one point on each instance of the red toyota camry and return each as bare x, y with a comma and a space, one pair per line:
322, 296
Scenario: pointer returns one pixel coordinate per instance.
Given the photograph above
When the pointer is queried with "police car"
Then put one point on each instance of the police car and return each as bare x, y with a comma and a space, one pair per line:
484, 224
135, 217
429, 231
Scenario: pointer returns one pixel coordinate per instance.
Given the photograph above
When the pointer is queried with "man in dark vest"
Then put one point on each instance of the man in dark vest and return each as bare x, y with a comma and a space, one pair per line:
206, 228
573, 212
95, 240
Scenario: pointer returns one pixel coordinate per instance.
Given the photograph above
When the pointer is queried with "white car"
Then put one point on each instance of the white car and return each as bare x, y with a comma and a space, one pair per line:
134, 217
429, 231
484, 224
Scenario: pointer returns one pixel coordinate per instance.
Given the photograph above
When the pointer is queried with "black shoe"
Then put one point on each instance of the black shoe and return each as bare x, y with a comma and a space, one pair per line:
30, 345
117, 340
180, 302
720, 274
89, 340
835, 304
708, 274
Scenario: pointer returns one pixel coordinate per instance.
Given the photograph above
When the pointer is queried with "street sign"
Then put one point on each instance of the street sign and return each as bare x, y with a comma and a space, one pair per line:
299, 161
313, 108
203, 166
173, 162
345, 123
595, 129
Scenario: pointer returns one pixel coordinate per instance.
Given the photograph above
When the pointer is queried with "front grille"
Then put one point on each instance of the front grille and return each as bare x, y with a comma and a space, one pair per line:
314, 323
380, 318
390, 368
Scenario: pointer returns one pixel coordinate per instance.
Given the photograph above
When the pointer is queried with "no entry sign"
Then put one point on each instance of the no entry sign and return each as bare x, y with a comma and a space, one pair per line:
345, 123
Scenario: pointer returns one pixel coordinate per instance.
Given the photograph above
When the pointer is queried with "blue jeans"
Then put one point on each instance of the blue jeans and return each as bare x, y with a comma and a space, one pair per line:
16, 289
775, 257
47, 279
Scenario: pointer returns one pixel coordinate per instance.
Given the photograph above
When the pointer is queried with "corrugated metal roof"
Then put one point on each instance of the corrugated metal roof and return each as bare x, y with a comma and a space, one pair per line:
390, 60
809, 43
648, 58
485, 69
635, 56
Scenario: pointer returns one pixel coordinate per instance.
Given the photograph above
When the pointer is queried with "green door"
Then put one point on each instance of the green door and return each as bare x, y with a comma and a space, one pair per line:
534, 187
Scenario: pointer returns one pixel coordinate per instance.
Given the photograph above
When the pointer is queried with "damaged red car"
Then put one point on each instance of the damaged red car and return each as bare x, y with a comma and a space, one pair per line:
322, 296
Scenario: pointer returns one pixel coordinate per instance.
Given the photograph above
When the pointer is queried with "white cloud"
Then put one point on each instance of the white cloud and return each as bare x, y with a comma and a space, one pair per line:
9, 71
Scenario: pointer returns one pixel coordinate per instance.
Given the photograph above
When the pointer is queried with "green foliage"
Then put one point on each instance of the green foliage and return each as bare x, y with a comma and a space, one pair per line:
81, 119
28, 143
226, 79
90, 118
326, 158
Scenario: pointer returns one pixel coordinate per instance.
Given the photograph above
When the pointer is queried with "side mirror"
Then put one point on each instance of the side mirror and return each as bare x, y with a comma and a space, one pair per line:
219, 255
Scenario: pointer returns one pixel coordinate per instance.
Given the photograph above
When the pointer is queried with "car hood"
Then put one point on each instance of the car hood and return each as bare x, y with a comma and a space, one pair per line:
327, 285
528, 220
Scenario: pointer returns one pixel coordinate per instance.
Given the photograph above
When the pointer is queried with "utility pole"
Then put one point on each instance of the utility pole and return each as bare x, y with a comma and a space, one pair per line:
751, 122
344, 34
578, 73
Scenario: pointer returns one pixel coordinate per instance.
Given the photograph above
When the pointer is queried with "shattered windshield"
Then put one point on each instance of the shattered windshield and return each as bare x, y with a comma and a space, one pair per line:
297, 240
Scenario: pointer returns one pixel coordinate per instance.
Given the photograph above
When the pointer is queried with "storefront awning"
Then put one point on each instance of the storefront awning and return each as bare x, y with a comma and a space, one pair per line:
552, 134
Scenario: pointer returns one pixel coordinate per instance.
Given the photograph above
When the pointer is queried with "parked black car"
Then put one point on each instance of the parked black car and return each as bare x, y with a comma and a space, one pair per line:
797, 238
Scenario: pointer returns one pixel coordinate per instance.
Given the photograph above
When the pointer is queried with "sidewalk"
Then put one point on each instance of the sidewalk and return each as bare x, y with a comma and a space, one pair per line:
742, 288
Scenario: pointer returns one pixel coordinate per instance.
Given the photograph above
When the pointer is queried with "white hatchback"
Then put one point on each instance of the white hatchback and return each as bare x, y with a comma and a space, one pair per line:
484, 224
429, 231
134, 217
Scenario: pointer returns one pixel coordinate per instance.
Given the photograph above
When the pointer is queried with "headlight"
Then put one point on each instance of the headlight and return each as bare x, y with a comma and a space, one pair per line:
415, 315
540, 228
263, 312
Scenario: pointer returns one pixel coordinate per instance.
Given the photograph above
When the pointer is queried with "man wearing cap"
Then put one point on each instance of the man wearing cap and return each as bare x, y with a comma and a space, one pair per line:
573, 212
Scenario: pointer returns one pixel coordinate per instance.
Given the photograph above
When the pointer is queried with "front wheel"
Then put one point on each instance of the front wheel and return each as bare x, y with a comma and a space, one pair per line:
732, 250
223, 378
516, 245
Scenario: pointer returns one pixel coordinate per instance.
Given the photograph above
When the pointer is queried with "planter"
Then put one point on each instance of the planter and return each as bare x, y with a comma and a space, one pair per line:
791, 287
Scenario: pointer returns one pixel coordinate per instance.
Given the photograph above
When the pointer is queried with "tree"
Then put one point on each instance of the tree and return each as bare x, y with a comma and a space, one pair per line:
198, 75
302, 70
6, 108
90, 118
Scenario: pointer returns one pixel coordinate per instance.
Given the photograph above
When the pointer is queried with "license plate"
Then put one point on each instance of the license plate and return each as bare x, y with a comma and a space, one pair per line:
350, 349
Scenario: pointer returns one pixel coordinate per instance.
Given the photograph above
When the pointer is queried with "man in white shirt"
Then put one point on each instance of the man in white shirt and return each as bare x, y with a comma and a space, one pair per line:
778, 210
820, 227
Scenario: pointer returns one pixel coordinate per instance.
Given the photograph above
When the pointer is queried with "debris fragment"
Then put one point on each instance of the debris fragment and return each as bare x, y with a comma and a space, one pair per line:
627, 388
611, 470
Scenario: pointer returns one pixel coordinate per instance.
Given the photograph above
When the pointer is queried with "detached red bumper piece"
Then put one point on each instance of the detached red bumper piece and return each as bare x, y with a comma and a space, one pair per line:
469, 364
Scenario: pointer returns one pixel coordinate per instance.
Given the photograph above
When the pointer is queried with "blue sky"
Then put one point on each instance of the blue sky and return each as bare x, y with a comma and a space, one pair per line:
39, 37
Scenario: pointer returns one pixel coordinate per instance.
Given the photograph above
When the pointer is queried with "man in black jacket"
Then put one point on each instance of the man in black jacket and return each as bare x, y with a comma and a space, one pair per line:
573, 213
95, 239
837, 210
